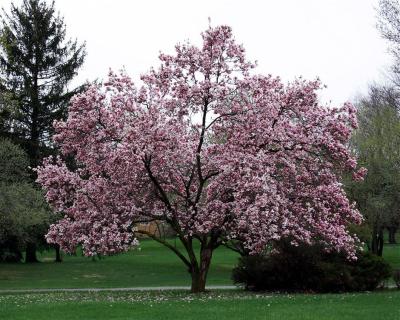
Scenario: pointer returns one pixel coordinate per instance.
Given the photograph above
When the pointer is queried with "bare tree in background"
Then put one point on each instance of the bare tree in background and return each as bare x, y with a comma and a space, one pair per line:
389, 27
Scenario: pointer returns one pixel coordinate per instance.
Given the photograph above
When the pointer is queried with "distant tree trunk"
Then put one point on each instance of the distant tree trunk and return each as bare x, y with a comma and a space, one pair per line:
377, 241
392, 235
380, 242
31, 253
58, 253
33, 149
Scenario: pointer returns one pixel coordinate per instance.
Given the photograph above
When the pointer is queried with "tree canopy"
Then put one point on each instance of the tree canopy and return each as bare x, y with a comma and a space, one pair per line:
216, 152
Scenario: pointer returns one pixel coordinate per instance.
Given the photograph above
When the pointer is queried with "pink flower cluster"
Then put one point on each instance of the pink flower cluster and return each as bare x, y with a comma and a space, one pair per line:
215, 151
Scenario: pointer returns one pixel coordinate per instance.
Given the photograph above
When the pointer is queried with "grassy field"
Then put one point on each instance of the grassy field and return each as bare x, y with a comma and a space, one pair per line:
216, 305
152, 265
391, 253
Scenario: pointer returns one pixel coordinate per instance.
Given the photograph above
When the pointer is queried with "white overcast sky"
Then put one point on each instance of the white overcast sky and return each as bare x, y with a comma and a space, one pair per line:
335, 40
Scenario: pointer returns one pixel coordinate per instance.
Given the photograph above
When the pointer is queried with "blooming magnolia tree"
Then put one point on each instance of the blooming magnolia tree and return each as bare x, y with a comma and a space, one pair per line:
213, 151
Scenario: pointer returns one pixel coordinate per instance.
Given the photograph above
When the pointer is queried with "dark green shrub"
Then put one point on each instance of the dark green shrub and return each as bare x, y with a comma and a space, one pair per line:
368, 272
306, 268
278, 272
396, 277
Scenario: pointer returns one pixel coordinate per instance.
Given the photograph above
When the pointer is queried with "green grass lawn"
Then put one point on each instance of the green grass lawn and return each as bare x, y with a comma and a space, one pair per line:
152, 265
216, 305
391, 253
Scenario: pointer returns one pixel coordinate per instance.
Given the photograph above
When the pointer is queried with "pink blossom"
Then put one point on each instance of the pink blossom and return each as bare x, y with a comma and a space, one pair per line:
216, 152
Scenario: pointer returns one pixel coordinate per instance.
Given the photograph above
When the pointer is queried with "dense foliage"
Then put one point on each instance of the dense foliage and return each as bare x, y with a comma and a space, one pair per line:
376, 144
13, 163
308, 268
24, 214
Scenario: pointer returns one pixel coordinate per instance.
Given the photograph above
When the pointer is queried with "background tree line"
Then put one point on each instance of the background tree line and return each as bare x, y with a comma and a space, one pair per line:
377, 143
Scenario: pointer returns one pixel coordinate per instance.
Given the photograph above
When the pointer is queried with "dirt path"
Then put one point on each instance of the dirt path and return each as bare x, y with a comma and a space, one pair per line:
167, 288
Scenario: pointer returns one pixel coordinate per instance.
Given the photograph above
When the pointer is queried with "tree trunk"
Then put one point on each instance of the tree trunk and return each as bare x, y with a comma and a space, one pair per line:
238, 247
374, 242
377, 241
33, 149
380, 242
31, 253
198, 282
58, 253
199, 273
392, 235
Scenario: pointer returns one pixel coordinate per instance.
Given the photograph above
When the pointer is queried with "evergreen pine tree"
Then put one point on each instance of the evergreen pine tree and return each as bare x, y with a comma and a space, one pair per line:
36, 65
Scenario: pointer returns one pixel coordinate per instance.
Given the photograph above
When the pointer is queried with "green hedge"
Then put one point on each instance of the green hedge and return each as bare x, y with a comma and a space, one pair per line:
309, 268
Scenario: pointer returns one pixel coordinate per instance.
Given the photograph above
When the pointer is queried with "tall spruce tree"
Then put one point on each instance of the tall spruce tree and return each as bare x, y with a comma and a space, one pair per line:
37, 63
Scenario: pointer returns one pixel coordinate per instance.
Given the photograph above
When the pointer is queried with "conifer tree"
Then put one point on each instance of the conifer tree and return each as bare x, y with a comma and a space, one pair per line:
36, 65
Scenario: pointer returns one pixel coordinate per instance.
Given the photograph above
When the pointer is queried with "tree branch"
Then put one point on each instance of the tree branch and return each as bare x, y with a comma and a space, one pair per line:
164, 197
168, 245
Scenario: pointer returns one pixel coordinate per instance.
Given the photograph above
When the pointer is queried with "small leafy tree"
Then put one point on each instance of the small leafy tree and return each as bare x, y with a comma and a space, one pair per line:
215, 152
24, 218
24, 214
